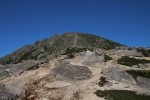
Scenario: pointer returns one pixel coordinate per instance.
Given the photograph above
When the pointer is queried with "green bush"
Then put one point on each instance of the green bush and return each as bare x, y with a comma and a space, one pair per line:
74, 50
125, 60
102, 81
142, 73
121, 95
146, 53
107, 58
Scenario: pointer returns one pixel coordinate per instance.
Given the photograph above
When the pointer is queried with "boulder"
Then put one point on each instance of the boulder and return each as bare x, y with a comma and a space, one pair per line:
17, 69
143, 81
73, 72
91, 58
5, 94
15, 89
115, 73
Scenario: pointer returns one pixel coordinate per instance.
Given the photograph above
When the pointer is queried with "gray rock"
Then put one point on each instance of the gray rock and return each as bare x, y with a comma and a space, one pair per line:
5, 94
143, 66
115, 73
17, 69
15, 89
145, 82
91, 58
4, 74
73, 72
25, 66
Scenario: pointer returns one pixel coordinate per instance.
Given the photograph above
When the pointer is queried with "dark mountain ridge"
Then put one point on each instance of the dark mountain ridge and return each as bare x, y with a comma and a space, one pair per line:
56, 45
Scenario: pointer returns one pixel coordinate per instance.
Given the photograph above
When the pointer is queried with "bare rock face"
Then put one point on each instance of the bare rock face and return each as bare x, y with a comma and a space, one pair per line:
5, 94
72, 72
143, 81
17, 69
15, 89
91, 58
115, 73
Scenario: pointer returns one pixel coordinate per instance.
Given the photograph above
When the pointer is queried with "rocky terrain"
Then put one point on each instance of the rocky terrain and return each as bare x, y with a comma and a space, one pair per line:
75, 66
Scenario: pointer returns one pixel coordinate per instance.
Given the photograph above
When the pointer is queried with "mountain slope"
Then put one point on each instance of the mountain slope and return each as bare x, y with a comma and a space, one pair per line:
56, 45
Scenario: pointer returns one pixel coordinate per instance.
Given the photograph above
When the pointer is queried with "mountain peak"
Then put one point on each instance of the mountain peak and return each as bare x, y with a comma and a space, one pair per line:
57, 44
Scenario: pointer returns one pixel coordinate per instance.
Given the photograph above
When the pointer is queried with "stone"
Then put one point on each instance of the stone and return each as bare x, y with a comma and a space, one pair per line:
143, 81
15, 89
5, 94
17, 69
72, 72
115, 73
92, 58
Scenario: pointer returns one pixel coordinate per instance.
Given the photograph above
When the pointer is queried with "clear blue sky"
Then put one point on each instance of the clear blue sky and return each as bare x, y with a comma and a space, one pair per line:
26, 21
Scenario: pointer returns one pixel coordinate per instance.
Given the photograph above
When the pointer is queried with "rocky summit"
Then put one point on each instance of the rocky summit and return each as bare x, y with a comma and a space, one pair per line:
57, 44
76, 66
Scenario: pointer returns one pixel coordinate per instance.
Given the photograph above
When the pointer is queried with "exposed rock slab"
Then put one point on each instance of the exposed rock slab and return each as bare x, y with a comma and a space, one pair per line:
143, 81
115, 73
17, 69
5, 94
91, 58
73, 72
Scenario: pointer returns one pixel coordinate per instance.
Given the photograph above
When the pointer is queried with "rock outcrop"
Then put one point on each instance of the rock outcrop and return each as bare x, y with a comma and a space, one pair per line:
10, 92
72, 72
115, 73
17, 69
92, 58
145, 82
57, 44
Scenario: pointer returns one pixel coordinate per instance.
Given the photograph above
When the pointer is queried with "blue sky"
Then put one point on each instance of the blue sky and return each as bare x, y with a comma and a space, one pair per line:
26, 21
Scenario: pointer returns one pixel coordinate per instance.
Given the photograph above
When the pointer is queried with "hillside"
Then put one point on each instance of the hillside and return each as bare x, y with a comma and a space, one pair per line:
75, 66
56, 45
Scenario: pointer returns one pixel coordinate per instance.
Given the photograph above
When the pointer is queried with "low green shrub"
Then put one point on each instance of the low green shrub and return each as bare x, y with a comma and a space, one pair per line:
125, 60
74, 50
102, 81
142, 73
145, 52
107, 58
121, 95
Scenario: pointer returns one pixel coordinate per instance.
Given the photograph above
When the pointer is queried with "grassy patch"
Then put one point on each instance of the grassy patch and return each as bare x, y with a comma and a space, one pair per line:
121, 95
107, 58
125, 60
136, 73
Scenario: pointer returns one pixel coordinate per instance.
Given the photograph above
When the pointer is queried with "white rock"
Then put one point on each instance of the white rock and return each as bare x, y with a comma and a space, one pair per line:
44, 99
57, 84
